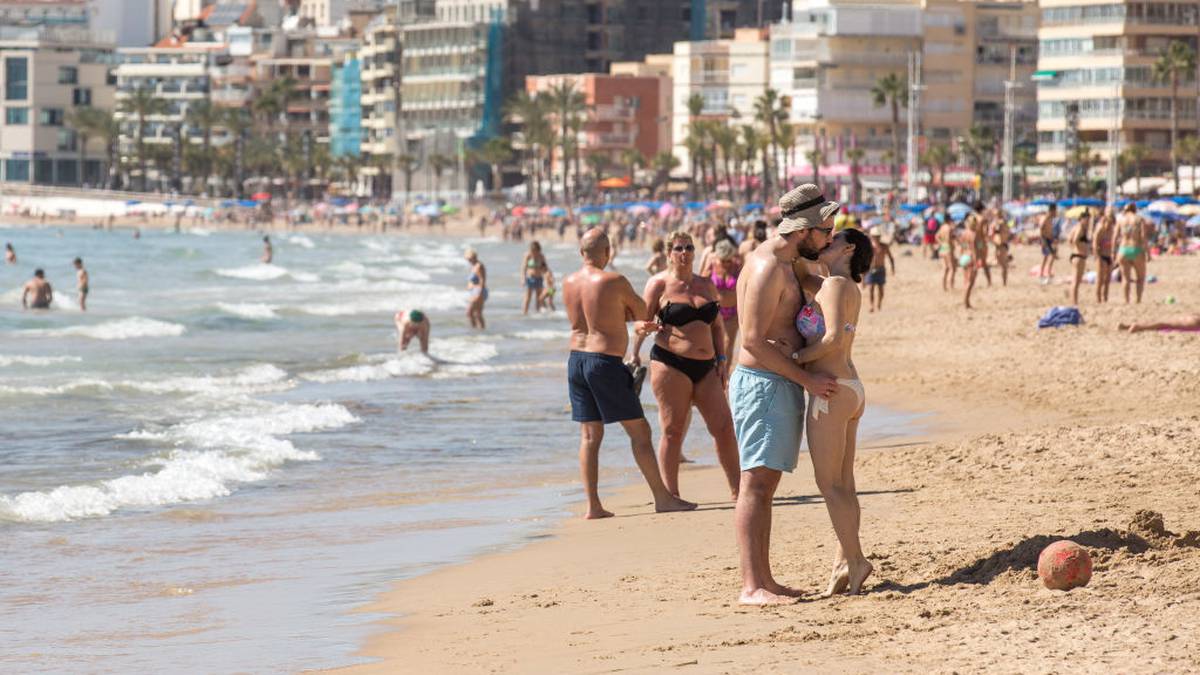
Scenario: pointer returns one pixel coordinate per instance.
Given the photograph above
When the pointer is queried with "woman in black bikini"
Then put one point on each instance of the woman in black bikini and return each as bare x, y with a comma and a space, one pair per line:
688, 364
1102, 236
1081, 245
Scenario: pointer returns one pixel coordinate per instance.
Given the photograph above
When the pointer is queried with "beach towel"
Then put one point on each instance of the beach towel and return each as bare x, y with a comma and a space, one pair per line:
1060, 316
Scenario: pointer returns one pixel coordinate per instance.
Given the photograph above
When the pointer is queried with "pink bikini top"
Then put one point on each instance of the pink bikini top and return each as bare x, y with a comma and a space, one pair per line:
811, 324
724, 283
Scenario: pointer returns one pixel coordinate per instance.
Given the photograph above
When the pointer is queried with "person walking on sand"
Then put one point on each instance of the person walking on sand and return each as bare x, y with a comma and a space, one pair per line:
1081, 245
1001, 238
10, 256
477, 289
410, 324
1049, 244
947, 245
81, 283
877, 276
724, 271
533, 272
766, 391
969, 258
688, 364
600, 386
40, 289
1131, 250
828, 325
1103, 237
268, 252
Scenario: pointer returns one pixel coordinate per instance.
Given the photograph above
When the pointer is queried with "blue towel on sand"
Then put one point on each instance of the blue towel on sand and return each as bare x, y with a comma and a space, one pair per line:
1060, 316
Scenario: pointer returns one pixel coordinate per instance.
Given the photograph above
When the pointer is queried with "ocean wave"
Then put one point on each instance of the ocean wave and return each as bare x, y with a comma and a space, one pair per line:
120, 329
248, 310
544, 334
445, 355
255, 272
392, 366
356, 270
19, 360
301, 241
211, 457
261, 378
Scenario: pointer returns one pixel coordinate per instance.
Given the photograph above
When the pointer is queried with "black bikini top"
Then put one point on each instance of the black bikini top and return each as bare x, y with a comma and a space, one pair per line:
681, 313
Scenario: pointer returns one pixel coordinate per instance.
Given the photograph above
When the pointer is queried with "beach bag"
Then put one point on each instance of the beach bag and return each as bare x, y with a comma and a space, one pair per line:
1060, 316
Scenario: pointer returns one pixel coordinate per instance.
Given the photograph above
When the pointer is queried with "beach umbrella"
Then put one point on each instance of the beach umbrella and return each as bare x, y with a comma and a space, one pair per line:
132, 202
1080, 201
614, 183
1189, 210
1142, 203
958, 210
261, 196
1184, 199
1042, 202
914, 208
427, 210
340, 201
1077, 211
752, 206
638, 209
694, 206
1194, 221
449, 208
666, 209
590, 208
1163, 206
558, 212
861, 208
518, 210
248, 203
590, 219
1120, 203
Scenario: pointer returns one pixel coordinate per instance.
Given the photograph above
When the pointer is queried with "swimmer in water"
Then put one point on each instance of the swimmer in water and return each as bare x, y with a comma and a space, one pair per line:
10, 256
268, 251
40, 289
81, 283
410, 324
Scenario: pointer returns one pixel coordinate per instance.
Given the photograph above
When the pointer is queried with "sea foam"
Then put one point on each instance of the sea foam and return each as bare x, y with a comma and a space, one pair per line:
20, 360
212, 456
248, 310
119, 329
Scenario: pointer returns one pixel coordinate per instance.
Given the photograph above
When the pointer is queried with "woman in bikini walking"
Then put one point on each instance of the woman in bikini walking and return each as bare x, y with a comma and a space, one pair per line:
688, 363
1081, 248
725, 268
827, 323
1131, 250
1102, 236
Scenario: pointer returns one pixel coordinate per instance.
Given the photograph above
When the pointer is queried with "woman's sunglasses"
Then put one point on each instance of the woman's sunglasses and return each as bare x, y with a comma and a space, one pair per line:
680, 249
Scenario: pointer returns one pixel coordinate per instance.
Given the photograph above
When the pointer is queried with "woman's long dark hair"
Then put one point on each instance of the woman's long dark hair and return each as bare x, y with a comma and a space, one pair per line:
863, 254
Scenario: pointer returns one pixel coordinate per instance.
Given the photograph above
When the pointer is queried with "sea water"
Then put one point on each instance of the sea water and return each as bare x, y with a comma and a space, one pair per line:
219, 460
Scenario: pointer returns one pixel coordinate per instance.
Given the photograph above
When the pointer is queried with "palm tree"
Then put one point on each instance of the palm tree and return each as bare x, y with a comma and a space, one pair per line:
725, 139
347, 167
1134, 155
383, 163
1189, 151
83, 121
1023, 158
769, 112
937, 158
816, 158
206, 117
142, 103
855, 155
438, 163
979, 146
662, 164
567, 103
1176, 60
537, 136
408, 164
750, 143
632, 160
788, 135
108, 129
496, 152
892, 89
237, 122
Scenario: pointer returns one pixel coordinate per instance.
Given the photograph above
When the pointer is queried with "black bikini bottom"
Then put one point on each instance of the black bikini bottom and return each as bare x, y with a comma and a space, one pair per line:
695, 369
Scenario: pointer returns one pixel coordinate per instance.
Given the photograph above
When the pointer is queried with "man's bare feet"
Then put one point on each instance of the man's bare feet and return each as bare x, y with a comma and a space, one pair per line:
761, 597
596, 514
673, 504
839, 579
780, 589
859, 574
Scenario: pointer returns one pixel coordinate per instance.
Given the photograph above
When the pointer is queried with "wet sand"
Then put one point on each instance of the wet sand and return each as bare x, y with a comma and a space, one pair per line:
1035, 435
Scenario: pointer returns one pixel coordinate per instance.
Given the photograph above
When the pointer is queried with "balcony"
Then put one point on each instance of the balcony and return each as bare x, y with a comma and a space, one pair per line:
230, 97
605, 112
611, 139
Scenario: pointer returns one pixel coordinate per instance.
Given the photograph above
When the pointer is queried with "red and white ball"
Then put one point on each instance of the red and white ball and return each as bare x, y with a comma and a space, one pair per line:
1064, 565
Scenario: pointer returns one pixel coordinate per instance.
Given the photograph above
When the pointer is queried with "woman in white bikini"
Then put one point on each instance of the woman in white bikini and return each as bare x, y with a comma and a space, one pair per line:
827, 324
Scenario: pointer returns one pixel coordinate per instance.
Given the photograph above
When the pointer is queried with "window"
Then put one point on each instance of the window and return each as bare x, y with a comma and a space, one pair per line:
43, 171
51, 117
16, 115
82, 96
68, 75
16, 79
66, 140
16, 170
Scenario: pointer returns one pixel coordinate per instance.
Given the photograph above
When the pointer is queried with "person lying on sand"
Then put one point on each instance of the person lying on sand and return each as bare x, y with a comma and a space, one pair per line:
410, 324
1185, 323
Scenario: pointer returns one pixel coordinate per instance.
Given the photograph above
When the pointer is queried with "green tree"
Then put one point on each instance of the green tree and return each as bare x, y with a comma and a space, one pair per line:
142, 103
1133, 156
438, 163
205, 117
495, 153
237, 123
979, 145
936, 159
537, 135
855, 155
662, 164
1024, 158
789, 134
1176, 61
750, 144
632, 160
86, 124
567, 104
892, 90
816, 158
769, 112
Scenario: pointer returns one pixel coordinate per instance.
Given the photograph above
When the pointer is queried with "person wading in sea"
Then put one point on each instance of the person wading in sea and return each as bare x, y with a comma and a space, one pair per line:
598, 305
40, 289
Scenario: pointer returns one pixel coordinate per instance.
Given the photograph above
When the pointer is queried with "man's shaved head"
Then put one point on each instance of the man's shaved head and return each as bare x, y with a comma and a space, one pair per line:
594, 244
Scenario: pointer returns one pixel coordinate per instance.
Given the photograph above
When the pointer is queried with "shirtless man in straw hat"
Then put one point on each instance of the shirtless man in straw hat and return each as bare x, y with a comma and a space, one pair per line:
766, 391
601, 388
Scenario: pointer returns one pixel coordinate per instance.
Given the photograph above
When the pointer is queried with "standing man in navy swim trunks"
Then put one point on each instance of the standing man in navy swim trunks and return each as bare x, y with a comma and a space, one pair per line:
599, 303
766, 391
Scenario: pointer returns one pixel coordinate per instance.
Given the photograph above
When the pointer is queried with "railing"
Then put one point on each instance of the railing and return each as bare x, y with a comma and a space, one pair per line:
611, 138
605, 112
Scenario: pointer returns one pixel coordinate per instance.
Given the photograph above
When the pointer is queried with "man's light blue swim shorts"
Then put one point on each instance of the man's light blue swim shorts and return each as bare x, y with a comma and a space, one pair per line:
768, 418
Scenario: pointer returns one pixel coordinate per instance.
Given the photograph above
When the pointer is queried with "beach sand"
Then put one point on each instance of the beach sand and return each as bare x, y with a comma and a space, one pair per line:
1033, 435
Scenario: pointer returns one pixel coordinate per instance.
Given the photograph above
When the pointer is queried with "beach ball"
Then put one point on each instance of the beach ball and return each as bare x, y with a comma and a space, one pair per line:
1064, 565
1170, 299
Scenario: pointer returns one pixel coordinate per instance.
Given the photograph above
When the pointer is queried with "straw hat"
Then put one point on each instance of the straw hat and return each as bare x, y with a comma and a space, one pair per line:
804, 207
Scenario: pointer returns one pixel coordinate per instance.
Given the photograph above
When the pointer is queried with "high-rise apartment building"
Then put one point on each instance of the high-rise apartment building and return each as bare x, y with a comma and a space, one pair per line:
1095, 65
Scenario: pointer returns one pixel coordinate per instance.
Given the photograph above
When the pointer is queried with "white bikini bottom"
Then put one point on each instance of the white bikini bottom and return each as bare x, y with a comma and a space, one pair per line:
820, 405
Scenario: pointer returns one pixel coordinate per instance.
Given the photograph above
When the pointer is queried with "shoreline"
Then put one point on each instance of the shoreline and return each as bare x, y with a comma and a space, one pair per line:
952, 517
